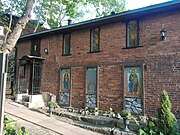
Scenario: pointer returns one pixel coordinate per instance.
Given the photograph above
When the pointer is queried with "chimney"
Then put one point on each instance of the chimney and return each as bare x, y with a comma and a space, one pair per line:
113, 13
69, 21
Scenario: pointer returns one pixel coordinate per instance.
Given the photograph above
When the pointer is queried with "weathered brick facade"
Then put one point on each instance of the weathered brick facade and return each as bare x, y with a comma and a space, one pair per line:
160, 62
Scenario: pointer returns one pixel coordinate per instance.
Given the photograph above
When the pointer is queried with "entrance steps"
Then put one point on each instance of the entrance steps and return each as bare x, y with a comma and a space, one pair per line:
31, 101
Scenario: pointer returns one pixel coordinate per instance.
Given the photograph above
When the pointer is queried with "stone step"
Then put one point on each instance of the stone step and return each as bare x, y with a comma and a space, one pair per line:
102, 124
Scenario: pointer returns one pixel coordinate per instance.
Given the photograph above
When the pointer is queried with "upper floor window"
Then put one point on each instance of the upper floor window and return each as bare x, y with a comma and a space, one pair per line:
95, 40
132, 34
35, 47
66, 44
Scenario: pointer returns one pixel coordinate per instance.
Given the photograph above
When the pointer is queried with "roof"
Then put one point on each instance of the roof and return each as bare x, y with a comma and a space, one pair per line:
30, 57
173, 5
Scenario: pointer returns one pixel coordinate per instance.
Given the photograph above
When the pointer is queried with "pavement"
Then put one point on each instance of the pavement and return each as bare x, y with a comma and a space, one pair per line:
44, 121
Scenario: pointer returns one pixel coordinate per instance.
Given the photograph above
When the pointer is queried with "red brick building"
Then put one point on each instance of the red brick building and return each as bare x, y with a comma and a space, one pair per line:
123, 60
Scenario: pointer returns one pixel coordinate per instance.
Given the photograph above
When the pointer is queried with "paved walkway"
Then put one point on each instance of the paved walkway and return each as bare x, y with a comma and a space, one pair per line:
44, 121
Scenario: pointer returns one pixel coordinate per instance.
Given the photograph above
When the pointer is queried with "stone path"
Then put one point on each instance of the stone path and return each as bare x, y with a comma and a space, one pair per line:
44, 121
32, 128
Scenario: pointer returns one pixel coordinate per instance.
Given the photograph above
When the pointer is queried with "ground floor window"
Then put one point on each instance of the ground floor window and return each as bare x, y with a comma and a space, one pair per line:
65, 86
91, 87
22, 79
91, 80
65, 79
133, 89
133, 81
36, 79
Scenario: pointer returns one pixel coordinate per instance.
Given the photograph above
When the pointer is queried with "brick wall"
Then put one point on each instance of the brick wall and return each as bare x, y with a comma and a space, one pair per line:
78, 87
23, 48
160, 57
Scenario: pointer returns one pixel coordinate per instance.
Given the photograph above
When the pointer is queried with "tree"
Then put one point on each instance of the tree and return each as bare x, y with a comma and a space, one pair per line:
7, 46
105, 7
62, 10
13, 35
167, 121
78, 10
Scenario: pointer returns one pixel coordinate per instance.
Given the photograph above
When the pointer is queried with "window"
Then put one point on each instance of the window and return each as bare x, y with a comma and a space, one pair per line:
133, 89
91, 80
65, 86
95, 42
132, 34
133, 81
66, 44
35, 47
65, 79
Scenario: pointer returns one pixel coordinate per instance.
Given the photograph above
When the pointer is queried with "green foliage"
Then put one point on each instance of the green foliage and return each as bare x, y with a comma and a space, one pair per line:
74, 9
61, 11
124, 113
165, 124
51, 103
166, 119
105, 7
150, 129
15, 7
11, 10
11, 127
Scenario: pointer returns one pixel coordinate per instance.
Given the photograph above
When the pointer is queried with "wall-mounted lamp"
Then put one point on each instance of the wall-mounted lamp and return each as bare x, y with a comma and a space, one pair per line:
46, 51
145, 66
163, 33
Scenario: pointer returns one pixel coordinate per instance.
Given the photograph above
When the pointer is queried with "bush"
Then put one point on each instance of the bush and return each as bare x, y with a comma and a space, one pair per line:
51, 103
11, 127
166, 122
124, 113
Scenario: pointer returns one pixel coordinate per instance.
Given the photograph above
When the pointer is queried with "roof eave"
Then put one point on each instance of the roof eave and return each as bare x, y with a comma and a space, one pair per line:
124, 16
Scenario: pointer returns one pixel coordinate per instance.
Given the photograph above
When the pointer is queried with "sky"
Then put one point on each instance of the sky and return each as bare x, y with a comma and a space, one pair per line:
134, 4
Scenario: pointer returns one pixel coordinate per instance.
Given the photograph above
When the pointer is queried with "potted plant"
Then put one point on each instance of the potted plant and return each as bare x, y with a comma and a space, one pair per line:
51, 106
126, 115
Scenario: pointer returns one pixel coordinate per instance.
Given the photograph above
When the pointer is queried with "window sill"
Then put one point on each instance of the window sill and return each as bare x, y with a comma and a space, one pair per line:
64, 91
90, 93
66, 54
95, 52
132, 47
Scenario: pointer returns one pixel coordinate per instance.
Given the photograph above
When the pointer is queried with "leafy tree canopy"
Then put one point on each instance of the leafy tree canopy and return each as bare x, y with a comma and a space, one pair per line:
56, 12
15, 7
105, 7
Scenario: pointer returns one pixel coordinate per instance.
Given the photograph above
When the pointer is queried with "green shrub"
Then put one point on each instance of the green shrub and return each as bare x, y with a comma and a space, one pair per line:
11, 127
51, 103
124, 113
166, 122
150, 129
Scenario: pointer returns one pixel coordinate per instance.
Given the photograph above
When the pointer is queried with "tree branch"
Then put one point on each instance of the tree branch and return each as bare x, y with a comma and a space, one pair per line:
16, 32
9, 28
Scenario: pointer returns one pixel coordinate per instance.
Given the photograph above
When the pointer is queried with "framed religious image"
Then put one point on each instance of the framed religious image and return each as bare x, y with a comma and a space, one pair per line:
65, 79
91, 80
133, 81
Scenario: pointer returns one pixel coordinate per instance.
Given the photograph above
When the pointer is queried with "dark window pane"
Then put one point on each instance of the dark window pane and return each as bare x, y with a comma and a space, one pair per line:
66, 45
132, 34
91, 80
95, 40
35, 47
